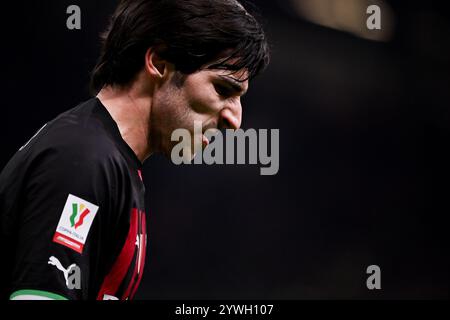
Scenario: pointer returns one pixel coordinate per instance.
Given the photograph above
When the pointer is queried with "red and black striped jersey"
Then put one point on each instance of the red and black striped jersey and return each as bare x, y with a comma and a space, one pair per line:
72, 213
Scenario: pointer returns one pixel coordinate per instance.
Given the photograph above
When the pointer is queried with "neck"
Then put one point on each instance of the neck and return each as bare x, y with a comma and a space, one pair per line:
130, 108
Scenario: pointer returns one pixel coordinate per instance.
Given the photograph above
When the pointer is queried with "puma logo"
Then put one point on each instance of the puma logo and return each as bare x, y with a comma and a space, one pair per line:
55, 262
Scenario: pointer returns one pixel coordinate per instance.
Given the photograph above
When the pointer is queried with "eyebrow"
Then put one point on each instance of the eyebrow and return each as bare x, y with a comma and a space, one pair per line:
235, 84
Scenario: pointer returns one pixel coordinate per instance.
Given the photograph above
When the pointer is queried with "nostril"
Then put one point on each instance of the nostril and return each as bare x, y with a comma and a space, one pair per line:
225, 124
229, 119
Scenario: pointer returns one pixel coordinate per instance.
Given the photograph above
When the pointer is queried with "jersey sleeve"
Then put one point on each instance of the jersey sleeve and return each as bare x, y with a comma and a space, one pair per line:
66, 221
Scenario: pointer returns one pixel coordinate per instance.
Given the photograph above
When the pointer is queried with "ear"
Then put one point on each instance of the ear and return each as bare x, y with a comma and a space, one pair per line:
154, 65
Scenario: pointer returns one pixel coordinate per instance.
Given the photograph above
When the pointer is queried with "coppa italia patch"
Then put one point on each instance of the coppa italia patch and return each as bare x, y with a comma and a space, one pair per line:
75, 223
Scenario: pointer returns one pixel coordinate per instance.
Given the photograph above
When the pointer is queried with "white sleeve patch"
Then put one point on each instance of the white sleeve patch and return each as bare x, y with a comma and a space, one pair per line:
75, 223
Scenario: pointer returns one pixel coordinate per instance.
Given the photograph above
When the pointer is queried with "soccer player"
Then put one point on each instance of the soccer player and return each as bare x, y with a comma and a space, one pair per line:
72, 212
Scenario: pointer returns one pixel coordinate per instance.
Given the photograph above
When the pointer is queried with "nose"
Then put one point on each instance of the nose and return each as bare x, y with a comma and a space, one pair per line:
231, 116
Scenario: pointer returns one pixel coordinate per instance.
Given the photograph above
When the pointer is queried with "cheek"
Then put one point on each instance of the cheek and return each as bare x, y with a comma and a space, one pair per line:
202, 99
166, 112
180, 107
173, 104
177, 115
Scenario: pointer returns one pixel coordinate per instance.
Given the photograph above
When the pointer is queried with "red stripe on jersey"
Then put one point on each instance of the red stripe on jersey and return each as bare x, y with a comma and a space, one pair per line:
140, 261
120, 268
143, 252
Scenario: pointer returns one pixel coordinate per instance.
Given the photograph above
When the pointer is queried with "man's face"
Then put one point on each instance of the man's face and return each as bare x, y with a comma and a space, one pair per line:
212, 97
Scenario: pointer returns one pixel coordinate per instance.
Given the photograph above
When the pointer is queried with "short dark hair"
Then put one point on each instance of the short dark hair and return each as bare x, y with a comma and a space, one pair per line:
188, 33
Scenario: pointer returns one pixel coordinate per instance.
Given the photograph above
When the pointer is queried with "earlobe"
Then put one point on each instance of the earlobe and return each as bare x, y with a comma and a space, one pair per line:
154, 65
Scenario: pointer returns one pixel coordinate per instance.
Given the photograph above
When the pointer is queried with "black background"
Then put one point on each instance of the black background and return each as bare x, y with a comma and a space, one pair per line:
363, 174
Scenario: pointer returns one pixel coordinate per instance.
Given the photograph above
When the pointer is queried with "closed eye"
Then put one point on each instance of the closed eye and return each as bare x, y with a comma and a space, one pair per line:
224, 90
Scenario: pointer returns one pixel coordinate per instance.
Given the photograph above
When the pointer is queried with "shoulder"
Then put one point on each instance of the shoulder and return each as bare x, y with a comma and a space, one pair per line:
75, 148
77, 135
73, 151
